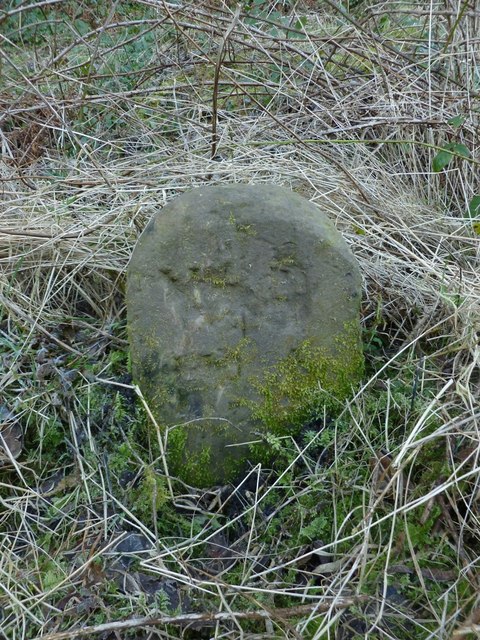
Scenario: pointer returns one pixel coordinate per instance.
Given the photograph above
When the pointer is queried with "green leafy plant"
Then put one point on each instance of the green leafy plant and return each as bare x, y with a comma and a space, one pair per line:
473, 213
450, 150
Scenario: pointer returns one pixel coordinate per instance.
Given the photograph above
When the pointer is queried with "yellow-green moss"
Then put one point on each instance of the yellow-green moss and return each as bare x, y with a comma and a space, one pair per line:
309, 379
200, 468
289, 394
214, 277
247, 229
286, 261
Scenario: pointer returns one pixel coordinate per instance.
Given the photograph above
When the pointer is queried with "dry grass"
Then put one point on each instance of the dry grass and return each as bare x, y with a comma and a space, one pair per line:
348, 110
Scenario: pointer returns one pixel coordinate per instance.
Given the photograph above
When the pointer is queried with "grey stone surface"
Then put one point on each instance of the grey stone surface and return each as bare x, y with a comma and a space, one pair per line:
226, 283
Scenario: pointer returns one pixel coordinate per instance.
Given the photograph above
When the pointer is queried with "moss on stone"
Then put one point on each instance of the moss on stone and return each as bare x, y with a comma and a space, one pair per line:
294, 390
247, 229
289, 394
286, 261
213, 277
200, 467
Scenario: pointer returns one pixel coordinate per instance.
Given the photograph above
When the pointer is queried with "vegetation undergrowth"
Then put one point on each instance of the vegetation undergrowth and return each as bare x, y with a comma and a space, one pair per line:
366, 524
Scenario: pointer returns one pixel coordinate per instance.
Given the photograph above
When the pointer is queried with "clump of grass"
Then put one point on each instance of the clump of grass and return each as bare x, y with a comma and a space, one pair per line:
368, 524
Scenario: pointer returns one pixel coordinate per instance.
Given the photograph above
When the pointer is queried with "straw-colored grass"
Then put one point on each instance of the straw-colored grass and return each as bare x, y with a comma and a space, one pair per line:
369, 525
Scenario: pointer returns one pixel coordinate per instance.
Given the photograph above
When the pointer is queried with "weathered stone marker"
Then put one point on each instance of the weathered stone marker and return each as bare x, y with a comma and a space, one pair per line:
243, 312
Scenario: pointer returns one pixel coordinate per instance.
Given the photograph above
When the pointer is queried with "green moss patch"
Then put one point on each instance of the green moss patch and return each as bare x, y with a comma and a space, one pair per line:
305, 382
289, 395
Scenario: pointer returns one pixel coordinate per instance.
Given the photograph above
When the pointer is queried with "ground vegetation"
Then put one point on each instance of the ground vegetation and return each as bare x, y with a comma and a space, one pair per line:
367, 525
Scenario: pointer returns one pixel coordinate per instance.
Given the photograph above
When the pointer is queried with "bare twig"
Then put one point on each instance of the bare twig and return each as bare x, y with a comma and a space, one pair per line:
221, 54
203, 618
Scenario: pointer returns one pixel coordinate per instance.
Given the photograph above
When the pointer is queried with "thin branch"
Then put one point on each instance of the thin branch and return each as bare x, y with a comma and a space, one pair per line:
218, 66
204, 618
